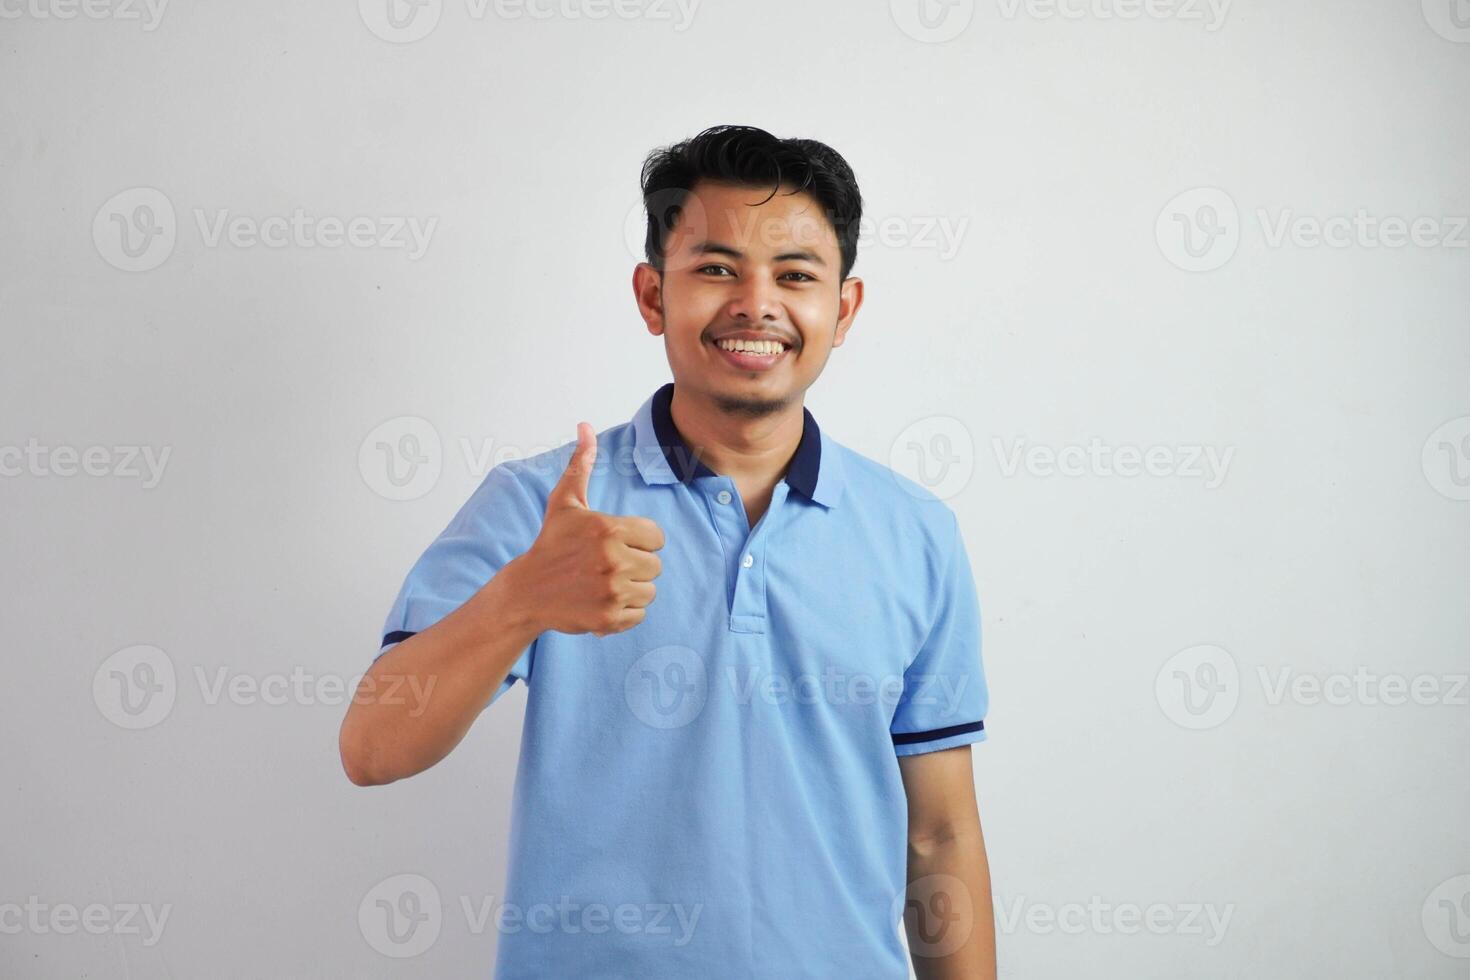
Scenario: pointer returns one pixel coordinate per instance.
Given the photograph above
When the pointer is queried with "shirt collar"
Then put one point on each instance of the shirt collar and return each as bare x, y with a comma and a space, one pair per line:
814, 471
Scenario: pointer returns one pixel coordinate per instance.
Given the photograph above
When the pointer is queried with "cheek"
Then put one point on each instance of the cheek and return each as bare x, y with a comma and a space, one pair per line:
816, 317
691, 307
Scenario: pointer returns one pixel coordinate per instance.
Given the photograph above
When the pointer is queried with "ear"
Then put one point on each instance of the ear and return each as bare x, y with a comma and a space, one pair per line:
648, 292
851, 298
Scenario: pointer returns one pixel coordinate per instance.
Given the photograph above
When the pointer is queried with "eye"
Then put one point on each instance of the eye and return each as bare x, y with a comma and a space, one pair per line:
713, 268
804, 276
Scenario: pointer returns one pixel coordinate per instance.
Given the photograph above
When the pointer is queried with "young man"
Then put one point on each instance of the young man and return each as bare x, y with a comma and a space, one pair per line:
756, 768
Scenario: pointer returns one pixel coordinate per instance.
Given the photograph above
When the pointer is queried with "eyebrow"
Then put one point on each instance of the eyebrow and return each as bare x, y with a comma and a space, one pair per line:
718, 248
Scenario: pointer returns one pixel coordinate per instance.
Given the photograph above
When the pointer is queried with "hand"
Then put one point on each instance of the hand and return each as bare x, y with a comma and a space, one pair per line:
589, 572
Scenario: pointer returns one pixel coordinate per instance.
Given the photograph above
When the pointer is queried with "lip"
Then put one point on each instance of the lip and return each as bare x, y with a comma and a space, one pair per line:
749, 362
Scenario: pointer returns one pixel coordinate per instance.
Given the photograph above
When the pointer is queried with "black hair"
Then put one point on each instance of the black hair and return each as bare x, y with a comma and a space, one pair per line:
747, 155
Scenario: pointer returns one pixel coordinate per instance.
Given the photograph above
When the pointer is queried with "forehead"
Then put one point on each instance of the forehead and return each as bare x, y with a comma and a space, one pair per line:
753, 220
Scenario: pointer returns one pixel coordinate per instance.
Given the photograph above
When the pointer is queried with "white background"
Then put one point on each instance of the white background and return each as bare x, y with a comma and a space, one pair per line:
1335, 542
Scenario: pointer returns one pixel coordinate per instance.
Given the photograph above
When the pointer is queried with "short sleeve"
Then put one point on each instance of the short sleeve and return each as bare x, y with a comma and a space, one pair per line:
499, 522
945, 697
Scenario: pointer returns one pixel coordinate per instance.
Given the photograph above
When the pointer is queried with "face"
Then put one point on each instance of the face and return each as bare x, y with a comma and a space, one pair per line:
751, 300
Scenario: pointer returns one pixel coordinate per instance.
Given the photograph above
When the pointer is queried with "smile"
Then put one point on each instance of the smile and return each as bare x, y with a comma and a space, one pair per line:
751, 355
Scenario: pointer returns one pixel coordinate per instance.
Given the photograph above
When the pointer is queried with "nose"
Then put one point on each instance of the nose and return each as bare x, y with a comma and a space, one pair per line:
754, 299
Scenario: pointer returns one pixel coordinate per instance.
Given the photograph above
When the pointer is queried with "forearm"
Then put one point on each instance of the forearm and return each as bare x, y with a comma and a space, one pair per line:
418, 700
949, 916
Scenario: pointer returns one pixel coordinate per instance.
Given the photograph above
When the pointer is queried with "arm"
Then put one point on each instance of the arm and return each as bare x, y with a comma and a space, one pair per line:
948, 913
435, 684
586, 572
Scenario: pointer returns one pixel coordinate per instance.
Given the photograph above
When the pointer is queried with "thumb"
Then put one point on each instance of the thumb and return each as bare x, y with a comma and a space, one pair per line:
571, 489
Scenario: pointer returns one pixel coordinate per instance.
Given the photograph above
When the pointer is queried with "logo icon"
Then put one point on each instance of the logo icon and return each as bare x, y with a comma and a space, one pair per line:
666, 687
1450, 19
937, 453
669, 208
401, 916
1446, 458
1198, 687
135, 229
1446, 917
936, 915
401, 21
1199, 230
135, 687
402, 458
932, 21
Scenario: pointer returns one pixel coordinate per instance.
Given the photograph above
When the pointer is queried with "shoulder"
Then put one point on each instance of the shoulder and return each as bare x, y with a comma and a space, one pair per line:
880, 494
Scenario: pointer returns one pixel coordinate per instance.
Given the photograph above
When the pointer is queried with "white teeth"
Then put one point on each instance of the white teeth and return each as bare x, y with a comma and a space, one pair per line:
752, 346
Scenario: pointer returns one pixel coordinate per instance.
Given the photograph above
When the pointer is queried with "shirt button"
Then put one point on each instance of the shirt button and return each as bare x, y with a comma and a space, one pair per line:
723, 496
747, 561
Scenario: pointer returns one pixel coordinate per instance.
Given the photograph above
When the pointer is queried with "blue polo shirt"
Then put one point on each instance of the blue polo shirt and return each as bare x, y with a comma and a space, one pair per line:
715, 793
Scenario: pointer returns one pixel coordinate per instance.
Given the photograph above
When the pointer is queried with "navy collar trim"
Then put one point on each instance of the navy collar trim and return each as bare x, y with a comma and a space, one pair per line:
806, 463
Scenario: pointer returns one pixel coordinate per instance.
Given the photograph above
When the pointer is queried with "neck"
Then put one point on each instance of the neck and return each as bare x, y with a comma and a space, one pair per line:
752, 447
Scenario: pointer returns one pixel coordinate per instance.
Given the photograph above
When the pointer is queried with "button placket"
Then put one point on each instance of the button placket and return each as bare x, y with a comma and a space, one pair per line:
748, 611
728, 518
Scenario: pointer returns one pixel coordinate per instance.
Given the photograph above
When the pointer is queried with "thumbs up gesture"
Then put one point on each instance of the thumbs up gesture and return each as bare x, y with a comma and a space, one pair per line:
589, 572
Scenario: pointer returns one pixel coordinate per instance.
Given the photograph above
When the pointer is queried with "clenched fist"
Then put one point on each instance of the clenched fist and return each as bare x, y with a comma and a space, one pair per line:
589, 572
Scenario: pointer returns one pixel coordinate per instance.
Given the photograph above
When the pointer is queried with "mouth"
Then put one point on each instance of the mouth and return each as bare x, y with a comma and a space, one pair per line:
751, 355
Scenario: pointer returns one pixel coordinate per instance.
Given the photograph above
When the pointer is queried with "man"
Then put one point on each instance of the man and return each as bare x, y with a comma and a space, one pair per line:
756, 767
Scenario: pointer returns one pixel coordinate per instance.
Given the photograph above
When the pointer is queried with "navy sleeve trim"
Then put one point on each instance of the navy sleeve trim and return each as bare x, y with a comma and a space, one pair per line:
909, 738
397, 636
